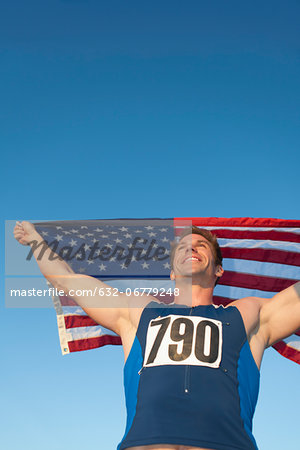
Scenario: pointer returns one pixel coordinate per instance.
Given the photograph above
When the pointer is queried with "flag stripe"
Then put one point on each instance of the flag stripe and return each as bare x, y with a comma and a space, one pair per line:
79, 321
73, 311
235, 222
249, 281
83, 332
282, 230
293, 341
271, 239
271, 235
262, 268
238, 292
94, 342
287, 351
266, 244
263, 255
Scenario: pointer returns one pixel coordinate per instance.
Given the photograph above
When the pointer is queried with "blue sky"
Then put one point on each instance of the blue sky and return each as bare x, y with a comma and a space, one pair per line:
135, 109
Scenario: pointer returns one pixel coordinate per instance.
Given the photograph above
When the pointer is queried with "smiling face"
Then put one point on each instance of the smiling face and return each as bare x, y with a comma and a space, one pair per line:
194, 257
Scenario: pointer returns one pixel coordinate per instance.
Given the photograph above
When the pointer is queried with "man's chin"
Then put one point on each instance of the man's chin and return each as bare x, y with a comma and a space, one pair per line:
192, 273
183, 275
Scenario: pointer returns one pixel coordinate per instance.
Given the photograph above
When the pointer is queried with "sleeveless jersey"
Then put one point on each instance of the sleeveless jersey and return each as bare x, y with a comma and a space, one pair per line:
190, 379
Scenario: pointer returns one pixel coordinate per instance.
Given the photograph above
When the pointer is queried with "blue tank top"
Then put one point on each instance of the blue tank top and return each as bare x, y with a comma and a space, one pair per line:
190, 379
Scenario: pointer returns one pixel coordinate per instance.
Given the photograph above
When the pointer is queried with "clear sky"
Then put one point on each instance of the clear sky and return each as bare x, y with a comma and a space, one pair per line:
139, 109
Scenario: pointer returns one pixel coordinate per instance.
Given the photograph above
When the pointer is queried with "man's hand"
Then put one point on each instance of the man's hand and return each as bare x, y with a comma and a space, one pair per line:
25, 232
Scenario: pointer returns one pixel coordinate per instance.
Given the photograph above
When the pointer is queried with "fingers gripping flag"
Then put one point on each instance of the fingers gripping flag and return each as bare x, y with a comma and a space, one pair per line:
260, 258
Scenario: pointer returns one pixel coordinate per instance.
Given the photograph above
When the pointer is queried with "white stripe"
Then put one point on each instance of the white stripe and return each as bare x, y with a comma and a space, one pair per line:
293, 341
74, 334
252, 243
73, 310
262, 268
236, 292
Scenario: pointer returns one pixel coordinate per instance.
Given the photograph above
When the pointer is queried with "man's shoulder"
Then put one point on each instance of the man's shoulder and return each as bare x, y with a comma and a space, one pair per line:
249, 302
250, 310
138, 305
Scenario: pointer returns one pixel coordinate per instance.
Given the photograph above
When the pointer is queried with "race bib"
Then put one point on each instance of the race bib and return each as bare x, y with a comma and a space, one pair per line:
182, 340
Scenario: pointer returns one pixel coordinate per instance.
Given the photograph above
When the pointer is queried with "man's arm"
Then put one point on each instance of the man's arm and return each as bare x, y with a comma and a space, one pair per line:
110, 311
280, 316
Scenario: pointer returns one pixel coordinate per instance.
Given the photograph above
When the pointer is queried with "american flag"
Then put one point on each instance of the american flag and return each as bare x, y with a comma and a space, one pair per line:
260, 258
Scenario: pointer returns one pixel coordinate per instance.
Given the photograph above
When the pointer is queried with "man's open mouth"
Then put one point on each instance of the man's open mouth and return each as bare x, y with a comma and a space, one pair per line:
191, 258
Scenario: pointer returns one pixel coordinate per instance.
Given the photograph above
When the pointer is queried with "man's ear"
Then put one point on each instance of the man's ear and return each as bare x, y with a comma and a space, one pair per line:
172, 275
219, 271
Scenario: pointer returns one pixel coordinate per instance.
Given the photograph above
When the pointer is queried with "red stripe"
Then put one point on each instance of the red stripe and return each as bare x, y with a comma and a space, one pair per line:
67, 301
79, 321
271, 235
164, 298
263, 255
94, 342
236, 222
297, 332
287, 351
249, 281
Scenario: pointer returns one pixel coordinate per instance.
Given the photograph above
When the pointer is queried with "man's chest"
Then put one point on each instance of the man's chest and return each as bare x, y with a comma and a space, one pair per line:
194, 335
203, 335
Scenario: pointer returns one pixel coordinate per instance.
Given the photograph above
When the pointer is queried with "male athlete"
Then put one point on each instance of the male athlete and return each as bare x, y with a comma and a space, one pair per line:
192, 368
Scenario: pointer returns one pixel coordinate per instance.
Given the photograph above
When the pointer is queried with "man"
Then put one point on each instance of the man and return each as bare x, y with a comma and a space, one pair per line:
192, 368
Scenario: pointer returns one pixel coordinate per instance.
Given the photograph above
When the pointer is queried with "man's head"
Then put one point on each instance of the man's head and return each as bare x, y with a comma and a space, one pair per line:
198, 245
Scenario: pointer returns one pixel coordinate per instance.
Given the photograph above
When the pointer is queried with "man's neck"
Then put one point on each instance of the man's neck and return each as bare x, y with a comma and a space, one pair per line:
192, 294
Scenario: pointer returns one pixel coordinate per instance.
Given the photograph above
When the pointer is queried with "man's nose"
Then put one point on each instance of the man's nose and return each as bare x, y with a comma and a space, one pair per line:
190, 248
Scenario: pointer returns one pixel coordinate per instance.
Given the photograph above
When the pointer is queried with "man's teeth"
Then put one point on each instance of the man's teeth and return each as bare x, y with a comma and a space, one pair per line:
192, 259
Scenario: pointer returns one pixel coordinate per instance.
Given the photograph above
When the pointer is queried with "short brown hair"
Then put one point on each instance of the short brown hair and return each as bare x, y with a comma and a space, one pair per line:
208, 235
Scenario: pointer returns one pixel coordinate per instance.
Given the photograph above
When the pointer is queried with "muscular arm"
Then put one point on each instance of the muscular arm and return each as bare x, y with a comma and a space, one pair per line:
280, 316
109, 311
